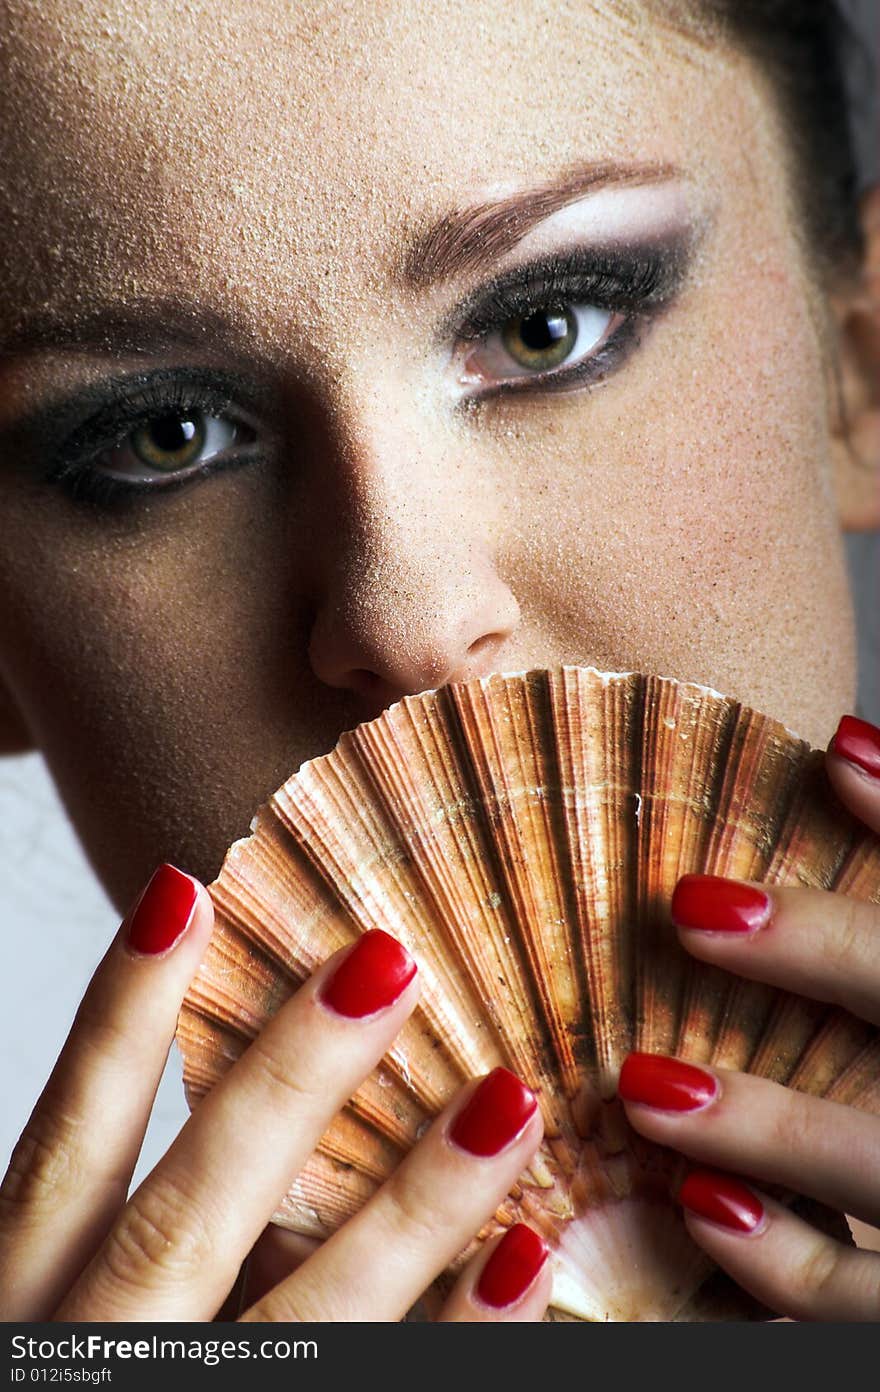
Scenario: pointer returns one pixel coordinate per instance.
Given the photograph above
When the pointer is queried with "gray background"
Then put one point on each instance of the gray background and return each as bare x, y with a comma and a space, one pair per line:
57, 921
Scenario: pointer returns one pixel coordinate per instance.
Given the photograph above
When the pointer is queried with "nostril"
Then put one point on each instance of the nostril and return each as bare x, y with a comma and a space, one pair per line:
370, 686
487, 640
364, 681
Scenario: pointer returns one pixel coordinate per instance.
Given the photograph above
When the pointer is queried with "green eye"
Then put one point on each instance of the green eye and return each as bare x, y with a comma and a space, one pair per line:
170, 442
542, 340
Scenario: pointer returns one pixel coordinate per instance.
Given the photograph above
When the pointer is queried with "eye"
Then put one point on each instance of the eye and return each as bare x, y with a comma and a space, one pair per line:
541, 341
564, 322
170, 444
155, 432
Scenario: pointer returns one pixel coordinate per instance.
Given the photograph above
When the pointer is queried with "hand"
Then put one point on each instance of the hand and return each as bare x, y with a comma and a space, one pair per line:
817, 944
73, 1247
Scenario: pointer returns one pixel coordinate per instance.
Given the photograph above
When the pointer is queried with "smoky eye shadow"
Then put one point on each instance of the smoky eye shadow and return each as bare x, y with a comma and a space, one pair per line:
623, 275
49, 432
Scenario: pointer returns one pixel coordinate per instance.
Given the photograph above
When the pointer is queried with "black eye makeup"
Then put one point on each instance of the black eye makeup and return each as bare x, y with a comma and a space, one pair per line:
567, 320
142, 434
561, 323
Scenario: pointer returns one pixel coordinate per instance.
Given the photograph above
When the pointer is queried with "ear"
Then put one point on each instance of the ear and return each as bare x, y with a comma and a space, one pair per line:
855, 429
15, 738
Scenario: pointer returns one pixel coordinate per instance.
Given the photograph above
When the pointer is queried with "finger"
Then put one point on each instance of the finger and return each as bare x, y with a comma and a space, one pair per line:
443, 1192
232, 1305
775, 1255
174, 1251
509, 1279
70, 1172
733, 1121
825, 946
853, 765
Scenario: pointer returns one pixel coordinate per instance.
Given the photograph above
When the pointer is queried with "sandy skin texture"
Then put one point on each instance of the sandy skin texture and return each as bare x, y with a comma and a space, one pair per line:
176, 659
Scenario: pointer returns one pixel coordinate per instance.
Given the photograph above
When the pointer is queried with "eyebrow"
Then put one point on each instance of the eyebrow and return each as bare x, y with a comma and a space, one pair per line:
147, 326
464, 239
459, 242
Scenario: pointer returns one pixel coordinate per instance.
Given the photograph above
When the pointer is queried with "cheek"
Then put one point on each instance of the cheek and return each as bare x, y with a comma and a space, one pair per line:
683, 518
160, 665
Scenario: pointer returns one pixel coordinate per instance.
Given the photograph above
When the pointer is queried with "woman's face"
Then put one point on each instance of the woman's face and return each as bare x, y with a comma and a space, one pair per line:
270, 283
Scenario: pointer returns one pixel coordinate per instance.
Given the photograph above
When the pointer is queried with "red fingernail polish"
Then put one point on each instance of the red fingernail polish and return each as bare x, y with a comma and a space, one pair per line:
722, 1200
495, 1113
370, 978
512, 1267
163, 912
858, 742
713, 904
667, 1083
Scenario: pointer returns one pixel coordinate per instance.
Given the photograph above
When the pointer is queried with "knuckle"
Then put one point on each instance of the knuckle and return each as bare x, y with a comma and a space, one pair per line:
274, 1072
160, 1236
92, 1017
43, 1168
100, 1030
795, 1128
834, 1282
816, 1274
416, 1214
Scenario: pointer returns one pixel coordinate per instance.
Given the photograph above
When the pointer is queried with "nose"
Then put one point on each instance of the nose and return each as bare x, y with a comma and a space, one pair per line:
409, 595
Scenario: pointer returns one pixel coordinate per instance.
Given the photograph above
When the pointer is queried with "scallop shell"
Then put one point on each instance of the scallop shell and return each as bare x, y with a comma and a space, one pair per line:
522, 835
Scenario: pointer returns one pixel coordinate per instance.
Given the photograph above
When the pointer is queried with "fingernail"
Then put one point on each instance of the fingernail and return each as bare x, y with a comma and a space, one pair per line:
858, 742
666, 1083
512, 1267
494, 1115
712, 904
722, 1200
370, 978
163, 912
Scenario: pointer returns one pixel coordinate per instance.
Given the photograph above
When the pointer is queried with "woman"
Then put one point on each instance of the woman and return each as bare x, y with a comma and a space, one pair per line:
353, 351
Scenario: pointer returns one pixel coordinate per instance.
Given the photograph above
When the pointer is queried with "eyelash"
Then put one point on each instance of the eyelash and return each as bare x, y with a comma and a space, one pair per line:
123, 411
635, 281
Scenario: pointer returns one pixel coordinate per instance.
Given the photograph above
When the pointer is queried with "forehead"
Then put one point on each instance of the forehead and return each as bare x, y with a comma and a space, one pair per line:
208, 147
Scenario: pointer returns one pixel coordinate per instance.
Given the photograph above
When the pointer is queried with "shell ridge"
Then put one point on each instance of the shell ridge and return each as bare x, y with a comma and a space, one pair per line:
531, 828
519, 789
721, 1008
525, 1018
417, 889
442, 879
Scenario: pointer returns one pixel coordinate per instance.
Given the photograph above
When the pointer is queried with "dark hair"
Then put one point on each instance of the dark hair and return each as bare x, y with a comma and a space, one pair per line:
805, 48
